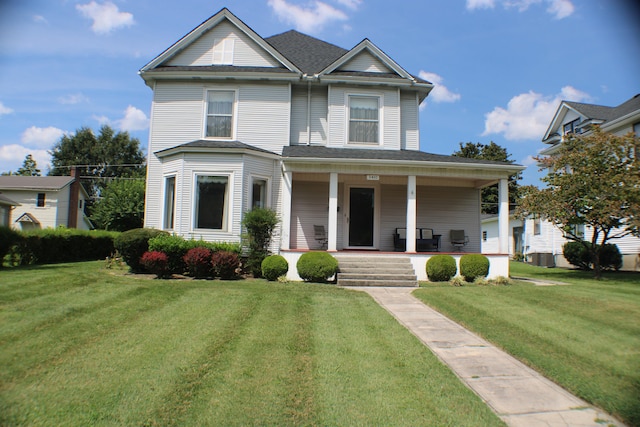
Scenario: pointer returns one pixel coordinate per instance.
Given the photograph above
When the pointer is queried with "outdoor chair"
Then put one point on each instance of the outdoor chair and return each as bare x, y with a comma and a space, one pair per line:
320, 235
458, 239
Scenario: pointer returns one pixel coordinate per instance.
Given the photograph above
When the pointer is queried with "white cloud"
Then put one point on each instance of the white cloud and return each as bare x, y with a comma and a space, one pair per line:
102, 120
40, 19
5, 110
559, 8
106, 16
13, 155
351, 4
42, 137
439, 93
480, 4
74, 98
307, 19
527, 115
133, 120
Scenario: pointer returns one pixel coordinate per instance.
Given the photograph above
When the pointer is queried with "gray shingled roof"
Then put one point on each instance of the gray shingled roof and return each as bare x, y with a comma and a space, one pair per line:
321, 152
216, 145
221, 69
4, 200
309, 54
14, 182
605, 113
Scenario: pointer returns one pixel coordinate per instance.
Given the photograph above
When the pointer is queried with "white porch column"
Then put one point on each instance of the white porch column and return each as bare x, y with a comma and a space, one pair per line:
332, 237
287, 180
411, 213
503, 216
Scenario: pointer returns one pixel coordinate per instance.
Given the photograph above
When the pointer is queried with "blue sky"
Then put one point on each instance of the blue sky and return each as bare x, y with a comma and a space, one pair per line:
500, 67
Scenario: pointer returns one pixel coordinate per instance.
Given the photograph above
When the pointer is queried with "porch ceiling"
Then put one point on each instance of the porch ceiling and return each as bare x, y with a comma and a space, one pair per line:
431, 181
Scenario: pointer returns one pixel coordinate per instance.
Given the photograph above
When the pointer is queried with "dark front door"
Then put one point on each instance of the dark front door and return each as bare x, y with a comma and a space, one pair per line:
361, 215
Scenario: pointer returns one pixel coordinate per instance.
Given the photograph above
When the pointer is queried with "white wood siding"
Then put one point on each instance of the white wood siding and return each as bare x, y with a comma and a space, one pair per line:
410, 134
317, 118
366, 62
246, 52
264, 116
339, 115
309, 207
54, 212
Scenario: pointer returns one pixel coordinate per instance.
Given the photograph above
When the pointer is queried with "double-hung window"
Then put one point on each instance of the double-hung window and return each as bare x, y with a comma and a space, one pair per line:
259, 193
169, 202
364, 119
211, 202
220, 113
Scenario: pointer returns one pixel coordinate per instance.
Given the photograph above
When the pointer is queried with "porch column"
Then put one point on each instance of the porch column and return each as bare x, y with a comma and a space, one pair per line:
332, 237
287, 179
503, 216
411, 213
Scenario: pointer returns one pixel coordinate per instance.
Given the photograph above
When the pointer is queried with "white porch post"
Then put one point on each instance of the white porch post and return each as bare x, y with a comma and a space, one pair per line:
503, 216
332, 237
287, 180
411, 213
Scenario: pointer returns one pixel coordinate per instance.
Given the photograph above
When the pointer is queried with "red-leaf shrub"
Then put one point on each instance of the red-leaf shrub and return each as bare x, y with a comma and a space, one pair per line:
155, 262
225, 264
198, 262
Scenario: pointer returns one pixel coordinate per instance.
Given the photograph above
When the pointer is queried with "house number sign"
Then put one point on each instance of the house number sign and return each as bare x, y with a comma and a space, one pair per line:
373, 177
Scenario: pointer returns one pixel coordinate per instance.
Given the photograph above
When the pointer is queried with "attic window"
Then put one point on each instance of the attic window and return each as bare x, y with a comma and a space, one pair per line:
571, 127
223, 51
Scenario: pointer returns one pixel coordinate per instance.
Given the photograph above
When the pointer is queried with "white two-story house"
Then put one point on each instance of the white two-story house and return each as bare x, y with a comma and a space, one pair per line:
542, 240
323, 135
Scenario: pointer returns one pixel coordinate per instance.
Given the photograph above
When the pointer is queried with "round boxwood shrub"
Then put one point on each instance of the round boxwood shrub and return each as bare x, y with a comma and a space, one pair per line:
155, 262
316, 266
274, 266
473, 265
441, 268
133, 244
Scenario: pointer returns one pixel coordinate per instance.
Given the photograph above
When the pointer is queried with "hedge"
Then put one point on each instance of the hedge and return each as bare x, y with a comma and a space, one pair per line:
133, 244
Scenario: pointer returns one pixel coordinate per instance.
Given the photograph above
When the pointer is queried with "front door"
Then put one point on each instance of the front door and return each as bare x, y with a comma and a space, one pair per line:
361, 217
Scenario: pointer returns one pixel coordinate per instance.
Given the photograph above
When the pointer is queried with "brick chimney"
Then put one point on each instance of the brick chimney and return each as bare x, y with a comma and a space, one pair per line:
74, 197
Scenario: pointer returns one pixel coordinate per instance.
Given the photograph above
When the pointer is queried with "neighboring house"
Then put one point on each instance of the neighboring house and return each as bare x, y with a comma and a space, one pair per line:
491, 235
325, 136
543, 241
6, 207
45, 201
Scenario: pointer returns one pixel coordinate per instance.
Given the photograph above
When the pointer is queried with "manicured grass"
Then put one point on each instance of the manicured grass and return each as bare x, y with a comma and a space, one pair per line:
80, 345
585, 336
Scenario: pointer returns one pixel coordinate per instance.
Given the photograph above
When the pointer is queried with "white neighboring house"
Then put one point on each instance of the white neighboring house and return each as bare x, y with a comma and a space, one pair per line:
45, 202
543, 242
327, 137
491, 238
6, 207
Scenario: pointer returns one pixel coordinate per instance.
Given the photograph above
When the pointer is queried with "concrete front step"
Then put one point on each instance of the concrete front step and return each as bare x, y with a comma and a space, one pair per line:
375, 270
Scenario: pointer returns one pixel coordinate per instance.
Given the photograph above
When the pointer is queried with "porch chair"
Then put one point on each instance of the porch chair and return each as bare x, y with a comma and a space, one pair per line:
320, 235
458, 239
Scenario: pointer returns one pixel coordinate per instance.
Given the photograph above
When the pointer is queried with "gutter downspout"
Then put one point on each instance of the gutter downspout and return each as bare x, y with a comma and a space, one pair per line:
308, 111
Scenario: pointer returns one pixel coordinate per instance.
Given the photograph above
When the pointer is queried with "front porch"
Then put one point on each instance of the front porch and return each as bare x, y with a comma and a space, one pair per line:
498, 263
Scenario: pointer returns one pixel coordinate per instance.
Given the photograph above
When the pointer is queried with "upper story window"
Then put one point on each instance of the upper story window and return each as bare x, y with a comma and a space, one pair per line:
220, 113
40, 200
571, 127
364, 119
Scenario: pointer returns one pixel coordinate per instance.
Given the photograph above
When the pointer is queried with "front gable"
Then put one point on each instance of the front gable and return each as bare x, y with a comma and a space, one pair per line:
365, 61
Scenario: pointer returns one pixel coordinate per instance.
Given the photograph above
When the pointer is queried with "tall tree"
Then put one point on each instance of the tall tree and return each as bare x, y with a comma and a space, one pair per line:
493, 152
107, 155
592, 180
121, 205
29, 167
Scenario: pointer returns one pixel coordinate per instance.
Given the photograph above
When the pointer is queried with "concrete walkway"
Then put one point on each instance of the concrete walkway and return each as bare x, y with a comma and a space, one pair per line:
519, 395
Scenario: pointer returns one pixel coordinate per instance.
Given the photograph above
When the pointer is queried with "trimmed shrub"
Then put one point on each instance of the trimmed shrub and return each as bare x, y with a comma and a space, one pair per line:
225, 264
274, 266
175, 247
317, 266
62, 244
198, 262
133, 244
8, 238
155, 262
441, 268
473, 266
260, 224
578, 255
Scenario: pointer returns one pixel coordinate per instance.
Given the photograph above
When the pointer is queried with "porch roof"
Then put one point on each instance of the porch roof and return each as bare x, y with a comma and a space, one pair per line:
322, 153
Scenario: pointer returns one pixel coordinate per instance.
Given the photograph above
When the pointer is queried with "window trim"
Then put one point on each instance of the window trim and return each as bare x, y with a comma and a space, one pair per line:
228, 209
267, 192
222, 50
380, 98
234, 113
164, 200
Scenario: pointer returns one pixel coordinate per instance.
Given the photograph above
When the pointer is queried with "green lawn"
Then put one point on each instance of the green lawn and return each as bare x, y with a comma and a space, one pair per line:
585, 336
80, 345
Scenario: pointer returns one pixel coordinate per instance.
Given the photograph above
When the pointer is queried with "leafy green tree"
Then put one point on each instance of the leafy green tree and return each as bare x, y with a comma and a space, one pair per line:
493, 152
109, 154
592, 180
121, 205
29, 167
